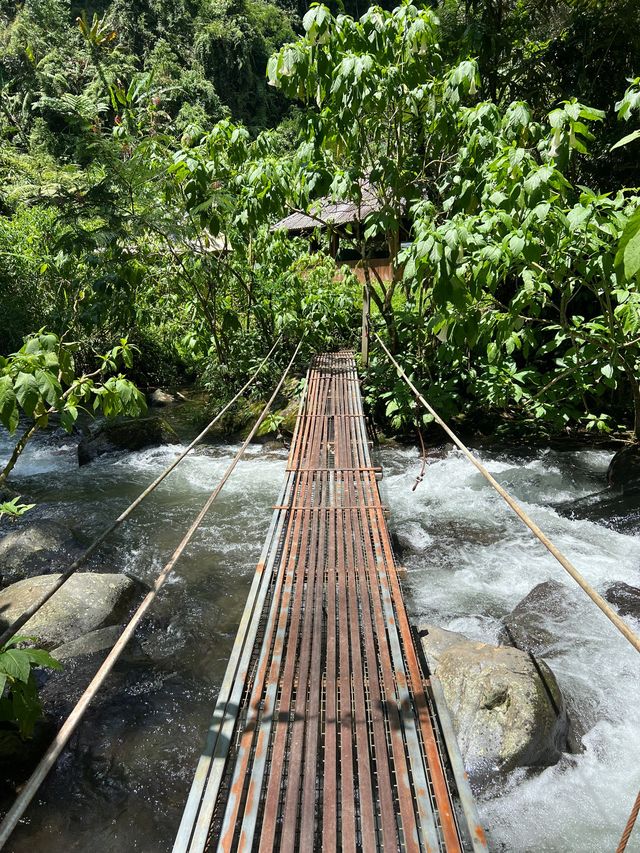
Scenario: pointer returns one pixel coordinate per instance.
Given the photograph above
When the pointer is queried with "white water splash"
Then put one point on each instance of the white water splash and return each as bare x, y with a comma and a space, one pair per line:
469, 562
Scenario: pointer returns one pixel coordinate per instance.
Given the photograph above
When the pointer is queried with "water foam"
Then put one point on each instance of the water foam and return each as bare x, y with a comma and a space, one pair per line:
481, 562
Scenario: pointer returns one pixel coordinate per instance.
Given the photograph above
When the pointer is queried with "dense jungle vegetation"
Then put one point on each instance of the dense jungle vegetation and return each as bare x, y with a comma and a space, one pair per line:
148, 146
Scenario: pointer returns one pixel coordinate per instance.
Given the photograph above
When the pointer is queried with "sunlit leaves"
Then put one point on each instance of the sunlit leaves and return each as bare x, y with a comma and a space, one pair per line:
39, 380
19, 703
9, 414
316, 24
505, 259
628, 254
13, 509
569, 129
630, 101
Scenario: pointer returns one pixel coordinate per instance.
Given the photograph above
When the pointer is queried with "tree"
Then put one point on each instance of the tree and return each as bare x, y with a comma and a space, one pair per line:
39, 381
509, 297
379, 106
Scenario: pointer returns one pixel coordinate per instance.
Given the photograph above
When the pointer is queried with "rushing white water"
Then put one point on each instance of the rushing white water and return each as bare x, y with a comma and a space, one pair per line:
469, 562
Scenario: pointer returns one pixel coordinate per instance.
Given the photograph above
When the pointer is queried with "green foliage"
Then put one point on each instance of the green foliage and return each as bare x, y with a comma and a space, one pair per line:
39, 380
628, 255
133, 204
512, 298
518, 278
19, 702
379, 108
13, 509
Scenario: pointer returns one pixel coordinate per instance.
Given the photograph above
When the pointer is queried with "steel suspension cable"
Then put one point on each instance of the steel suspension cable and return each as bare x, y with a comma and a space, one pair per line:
597, 599
48, 760
64, 577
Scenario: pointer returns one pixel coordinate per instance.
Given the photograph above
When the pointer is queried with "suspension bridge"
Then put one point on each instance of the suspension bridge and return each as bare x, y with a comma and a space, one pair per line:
329, 732
325, 736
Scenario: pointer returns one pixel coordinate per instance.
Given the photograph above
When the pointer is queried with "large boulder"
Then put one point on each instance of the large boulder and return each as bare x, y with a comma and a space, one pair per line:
507, 711
550, 620
624, 469
540, 622
86, 602
128, 434
159, 399
625, 598
35, 547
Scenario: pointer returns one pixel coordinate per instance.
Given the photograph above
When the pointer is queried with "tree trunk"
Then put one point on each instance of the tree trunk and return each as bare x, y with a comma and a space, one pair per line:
17, 451
635, 394
366, 310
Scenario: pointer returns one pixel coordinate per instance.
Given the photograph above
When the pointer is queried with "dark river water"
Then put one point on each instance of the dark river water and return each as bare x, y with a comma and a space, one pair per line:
122, 784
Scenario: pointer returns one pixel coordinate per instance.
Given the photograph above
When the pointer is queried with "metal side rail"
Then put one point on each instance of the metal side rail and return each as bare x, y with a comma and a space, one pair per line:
325, 735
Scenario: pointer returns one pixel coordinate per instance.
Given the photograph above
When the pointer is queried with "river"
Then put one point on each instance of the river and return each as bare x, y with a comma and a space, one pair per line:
468, 562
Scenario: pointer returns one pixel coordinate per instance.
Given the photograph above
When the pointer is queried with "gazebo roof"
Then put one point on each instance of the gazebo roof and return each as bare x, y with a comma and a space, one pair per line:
325, 212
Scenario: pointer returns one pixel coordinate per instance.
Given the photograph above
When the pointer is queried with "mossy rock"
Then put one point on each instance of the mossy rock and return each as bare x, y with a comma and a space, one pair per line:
35, 547
86, 602
125, 434
507, 710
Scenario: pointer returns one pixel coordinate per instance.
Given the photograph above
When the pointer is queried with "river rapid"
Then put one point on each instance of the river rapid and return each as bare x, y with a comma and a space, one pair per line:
122, 784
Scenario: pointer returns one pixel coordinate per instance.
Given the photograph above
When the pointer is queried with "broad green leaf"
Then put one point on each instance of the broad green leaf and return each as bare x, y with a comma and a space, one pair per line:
516, 244
8, 408
628, 255
68, 417
577, 216
27, 392
43, 658
630, 137
48, 386
15, 663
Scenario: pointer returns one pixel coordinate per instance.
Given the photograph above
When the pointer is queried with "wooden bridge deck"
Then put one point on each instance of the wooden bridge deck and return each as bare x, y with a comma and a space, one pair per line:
324, 736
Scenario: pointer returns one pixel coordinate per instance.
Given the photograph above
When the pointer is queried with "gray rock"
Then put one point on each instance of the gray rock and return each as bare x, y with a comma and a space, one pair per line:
625, 598
95, 641
504, 714
128, 434
624, 469
85, 603
100, 643
436, 641
541, 620
160, 398
548, 621
35, 547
